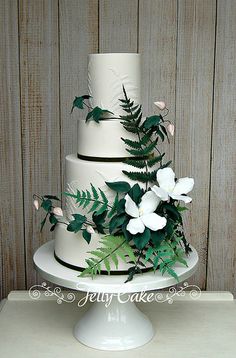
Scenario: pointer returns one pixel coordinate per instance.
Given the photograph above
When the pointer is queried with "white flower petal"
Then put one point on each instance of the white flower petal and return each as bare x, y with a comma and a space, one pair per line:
166, 179
153, 221
183, 186
130, 207
161, 193
184, 198
58, 211
135, 226
148, 203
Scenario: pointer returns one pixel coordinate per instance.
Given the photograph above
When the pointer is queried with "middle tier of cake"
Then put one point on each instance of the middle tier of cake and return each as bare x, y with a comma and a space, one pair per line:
81, 173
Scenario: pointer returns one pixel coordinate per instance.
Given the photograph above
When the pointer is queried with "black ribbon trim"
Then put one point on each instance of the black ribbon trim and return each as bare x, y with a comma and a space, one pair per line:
103, 272
111, 160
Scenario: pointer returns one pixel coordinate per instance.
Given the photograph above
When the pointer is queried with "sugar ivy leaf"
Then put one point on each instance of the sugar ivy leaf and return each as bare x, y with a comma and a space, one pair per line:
120, 206
96, 114
157, 237
161, 135
53, 219
46, 205
99, 221
141, 240
152, 121
172, 211
116, 222
79, 218
136, 193
53, 227
86, 236
119, 186
74, 226
79, 102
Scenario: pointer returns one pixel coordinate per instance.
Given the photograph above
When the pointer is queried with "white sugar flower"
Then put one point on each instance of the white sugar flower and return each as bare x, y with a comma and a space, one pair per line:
169, 188
160, 104
143, 214
36, 204
90, 229
171, 129
57, 211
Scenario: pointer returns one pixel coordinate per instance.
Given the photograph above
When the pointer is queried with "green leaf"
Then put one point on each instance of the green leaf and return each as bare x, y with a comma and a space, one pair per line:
76, 224
119, 186
137, 163
155, 160
116, 222
86, 236
53, 219
79, 102
47, 205
143, 177
131, 143
96, 114
141, 240
152, 121
149, 253
161, 135
114, 206
157, 237
136, 193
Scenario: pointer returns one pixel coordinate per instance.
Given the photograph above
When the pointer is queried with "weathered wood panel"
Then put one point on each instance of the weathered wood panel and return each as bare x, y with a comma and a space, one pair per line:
39, 66
12, 267
222, 244
157, 45
78, 37
118, 25
194, 82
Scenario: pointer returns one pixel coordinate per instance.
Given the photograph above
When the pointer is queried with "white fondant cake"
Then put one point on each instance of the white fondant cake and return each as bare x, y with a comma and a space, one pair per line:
97, 142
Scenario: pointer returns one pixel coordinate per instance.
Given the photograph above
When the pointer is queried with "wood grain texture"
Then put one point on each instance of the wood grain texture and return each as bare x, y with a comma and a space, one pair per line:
39, 66
12, 267
157, 45
222, 242
194, 83
118, 25
78, 37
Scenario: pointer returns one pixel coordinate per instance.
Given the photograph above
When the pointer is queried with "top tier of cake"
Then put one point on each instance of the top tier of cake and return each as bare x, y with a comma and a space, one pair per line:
107, 73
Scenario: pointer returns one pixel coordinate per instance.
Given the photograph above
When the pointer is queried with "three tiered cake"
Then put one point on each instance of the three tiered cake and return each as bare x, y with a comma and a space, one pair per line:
122, 211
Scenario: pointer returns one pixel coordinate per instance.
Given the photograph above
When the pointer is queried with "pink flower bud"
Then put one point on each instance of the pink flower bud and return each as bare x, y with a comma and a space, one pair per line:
57, 211
171, 129
160, 104
36, 204
90, 229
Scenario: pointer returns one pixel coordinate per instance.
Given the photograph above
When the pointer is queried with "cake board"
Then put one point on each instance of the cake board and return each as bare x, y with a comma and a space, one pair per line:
119, 325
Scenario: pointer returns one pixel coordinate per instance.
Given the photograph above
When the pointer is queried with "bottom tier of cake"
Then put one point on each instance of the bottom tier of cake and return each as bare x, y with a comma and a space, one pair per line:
71, 250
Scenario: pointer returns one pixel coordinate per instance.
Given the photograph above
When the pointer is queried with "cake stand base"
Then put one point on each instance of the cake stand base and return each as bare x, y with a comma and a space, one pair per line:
119, 326
114, 326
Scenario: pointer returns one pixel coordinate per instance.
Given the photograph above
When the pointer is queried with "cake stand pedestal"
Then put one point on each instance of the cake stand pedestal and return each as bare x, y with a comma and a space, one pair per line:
117, 324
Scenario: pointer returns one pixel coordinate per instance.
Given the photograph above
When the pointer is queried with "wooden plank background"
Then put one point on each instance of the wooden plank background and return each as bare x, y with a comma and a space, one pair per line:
188, 59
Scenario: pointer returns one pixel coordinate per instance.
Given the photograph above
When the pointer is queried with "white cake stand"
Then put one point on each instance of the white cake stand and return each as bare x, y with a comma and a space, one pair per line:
119, 325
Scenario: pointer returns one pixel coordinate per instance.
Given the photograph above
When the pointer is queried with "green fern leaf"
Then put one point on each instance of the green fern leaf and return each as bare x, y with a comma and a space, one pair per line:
114, 206
151, 162
131, 143
136, 163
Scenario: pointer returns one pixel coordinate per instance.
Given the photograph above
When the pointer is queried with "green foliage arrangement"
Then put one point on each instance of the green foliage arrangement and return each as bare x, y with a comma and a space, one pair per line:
143, 224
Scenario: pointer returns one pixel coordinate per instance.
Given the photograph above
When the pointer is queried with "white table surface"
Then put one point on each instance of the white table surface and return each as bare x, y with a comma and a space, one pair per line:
204, 328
